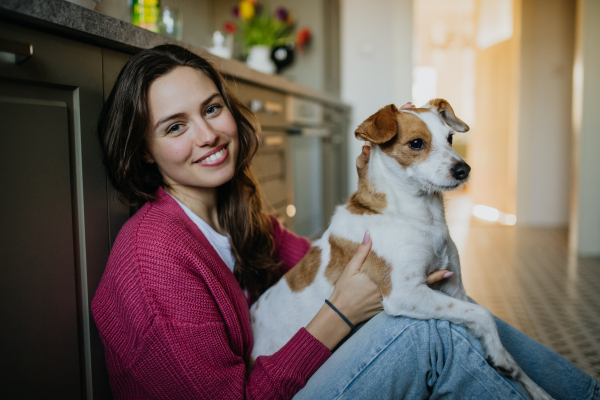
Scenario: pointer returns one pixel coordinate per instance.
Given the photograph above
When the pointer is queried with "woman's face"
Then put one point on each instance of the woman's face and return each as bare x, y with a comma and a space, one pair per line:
192, 136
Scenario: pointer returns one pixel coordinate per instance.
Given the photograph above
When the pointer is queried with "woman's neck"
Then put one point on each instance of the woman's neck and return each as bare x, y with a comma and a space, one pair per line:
202, 202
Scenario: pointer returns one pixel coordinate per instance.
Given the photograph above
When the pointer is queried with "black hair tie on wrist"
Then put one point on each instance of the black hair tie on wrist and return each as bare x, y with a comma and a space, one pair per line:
339, 313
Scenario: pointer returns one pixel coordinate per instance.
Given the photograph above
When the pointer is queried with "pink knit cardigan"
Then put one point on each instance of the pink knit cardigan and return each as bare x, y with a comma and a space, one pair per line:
175, 323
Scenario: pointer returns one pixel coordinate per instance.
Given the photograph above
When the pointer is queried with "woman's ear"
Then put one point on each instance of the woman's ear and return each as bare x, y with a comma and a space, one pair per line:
148, 158
379, 127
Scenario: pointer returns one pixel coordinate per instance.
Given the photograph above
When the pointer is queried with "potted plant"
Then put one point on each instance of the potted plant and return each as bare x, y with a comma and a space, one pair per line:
260, 32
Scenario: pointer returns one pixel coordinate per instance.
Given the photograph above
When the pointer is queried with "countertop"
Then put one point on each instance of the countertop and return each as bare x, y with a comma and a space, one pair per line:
70, 20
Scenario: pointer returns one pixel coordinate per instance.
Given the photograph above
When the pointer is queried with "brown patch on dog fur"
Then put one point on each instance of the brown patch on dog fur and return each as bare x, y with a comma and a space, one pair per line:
438, 308
303, 274
410, 127
366, 200
253, 319
379, 127
341, 253
450, 305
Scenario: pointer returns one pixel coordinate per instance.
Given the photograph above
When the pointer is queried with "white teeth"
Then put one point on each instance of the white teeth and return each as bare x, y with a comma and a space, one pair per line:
215, 156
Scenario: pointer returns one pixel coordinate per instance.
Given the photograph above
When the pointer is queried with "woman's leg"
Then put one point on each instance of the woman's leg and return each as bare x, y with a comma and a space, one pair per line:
551, 371
404, 358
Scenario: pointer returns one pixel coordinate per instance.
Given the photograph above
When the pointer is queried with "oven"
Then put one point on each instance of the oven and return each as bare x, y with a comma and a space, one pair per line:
301, 165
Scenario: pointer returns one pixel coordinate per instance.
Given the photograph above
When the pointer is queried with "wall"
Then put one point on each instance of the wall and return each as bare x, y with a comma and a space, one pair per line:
544, 146
585, 193
520, 148
376, 67
493, 141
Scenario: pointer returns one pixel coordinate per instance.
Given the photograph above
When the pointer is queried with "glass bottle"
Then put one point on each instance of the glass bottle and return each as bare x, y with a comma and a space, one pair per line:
145, 14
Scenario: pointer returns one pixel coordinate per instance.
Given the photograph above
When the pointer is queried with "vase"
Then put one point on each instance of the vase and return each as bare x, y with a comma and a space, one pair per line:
259, 59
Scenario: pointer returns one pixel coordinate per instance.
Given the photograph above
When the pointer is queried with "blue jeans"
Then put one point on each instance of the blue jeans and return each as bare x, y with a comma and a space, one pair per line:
404, 358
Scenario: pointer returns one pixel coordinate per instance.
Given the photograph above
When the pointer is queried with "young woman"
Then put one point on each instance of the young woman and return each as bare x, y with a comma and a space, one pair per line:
172, 306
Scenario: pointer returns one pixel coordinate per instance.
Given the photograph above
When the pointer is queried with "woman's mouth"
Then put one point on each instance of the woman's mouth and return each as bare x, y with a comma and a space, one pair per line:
216, 158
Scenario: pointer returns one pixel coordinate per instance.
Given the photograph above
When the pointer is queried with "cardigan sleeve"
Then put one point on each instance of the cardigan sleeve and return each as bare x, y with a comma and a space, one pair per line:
290, 248
186, 361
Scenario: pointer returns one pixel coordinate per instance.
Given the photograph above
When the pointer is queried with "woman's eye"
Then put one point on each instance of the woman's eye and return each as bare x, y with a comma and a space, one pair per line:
212, 109
416, 144
175, 128
450, 139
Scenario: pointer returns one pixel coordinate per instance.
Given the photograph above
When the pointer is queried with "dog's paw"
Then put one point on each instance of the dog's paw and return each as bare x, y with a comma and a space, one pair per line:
504, 364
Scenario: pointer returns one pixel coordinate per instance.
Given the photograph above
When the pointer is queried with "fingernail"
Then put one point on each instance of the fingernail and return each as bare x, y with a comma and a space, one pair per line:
364, 149
366, 238
448, 274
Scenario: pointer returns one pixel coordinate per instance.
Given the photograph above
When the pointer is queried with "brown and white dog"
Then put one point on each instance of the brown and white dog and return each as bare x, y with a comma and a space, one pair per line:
399, 200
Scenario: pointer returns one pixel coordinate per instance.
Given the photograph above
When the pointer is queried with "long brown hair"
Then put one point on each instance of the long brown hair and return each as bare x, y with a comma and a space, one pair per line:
122, 128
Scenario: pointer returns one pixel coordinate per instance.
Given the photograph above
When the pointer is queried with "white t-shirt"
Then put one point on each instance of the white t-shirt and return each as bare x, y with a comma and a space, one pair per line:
220, 243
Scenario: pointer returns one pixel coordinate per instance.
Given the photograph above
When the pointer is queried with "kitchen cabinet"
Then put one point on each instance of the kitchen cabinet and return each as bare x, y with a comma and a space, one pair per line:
53, 219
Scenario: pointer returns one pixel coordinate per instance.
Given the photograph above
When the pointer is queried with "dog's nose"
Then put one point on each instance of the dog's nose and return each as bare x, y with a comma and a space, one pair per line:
460, 170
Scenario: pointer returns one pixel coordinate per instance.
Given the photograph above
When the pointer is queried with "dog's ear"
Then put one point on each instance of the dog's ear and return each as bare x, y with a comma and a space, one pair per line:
379, 127
447, 113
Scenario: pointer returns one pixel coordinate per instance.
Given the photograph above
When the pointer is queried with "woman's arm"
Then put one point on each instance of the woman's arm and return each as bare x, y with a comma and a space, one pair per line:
172, 325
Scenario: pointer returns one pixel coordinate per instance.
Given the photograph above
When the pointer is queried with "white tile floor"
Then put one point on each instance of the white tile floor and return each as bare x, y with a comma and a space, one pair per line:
526, 277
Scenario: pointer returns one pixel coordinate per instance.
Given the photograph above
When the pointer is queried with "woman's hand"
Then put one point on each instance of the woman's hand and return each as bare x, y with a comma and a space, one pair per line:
356, 296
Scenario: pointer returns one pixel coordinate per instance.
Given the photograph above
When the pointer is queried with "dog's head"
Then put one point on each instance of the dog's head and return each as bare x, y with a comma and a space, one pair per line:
420, 141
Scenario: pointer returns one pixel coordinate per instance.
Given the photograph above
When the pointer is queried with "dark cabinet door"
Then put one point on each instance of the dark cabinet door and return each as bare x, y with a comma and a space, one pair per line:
38, 299
54, 239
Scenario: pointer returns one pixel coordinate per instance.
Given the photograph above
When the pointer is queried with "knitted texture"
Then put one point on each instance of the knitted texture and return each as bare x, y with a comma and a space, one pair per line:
175, 323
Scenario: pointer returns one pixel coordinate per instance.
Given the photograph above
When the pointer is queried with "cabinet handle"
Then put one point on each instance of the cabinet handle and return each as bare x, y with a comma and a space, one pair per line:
15, 52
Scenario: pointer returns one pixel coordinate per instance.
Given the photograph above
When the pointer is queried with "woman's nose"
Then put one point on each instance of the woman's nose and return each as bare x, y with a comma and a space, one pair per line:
205, 135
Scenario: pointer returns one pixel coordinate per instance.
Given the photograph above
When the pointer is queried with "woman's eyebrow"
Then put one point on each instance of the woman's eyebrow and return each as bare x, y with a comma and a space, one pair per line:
210, 98
170, 117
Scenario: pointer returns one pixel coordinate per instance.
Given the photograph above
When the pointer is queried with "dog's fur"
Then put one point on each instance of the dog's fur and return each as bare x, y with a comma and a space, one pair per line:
399, 199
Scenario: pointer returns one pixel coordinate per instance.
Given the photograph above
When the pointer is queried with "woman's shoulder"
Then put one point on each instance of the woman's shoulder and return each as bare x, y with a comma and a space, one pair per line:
154, 257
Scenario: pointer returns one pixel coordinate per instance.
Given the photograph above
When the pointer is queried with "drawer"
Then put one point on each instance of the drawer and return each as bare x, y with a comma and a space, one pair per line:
269, 166
270, 111
274, 193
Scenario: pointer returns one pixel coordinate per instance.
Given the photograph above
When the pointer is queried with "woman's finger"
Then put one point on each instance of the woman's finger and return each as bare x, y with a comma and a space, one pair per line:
362, 160
407, 106
437, 276
361, 254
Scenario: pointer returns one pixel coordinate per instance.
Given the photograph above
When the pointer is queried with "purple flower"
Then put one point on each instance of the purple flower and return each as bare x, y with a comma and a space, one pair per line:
235, 11
281, 14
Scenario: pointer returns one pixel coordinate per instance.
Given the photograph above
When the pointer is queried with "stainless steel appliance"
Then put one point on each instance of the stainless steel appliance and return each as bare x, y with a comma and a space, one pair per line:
302, 163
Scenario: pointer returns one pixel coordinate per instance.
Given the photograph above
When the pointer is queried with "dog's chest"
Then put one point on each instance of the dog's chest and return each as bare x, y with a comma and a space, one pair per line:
407, 245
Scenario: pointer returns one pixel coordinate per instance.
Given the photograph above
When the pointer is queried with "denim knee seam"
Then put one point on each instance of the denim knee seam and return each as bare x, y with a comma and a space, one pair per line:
483, 359
383, 348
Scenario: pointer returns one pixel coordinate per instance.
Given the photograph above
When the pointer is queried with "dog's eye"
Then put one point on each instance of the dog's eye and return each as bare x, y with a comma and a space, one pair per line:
450, 139
416, 144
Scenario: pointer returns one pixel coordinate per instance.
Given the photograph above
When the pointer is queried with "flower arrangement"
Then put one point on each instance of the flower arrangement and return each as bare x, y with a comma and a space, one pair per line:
257, 27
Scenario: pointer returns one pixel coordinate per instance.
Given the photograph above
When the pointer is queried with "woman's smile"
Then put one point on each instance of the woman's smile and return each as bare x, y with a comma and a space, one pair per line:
215, 157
